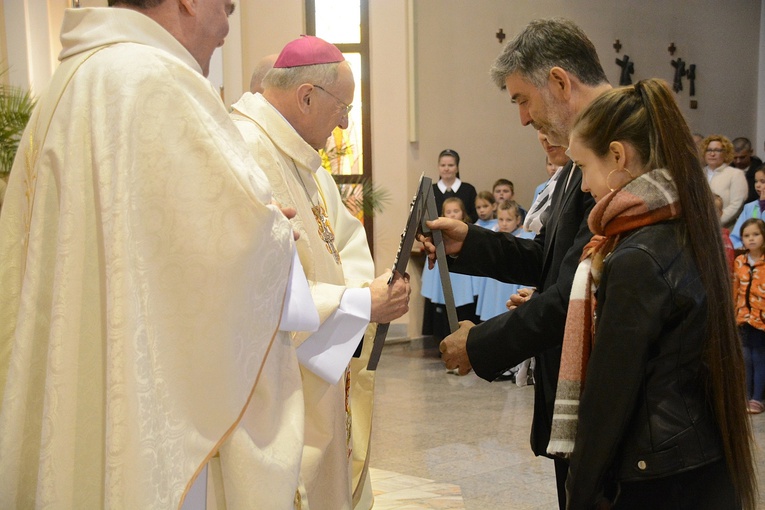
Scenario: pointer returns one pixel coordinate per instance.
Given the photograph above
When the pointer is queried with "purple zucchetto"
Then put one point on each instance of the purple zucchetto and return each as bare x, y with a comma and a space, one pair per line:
308, 50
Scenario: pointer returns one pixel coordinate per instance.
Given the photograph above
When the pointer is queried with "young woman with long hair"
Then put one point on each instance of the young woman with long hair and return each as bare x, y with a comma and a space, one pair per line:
650, 404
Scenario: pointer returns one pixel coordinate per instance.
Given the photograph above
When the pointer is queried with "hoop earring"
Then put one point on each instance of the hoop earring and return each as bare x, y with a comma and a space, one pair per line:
616, 170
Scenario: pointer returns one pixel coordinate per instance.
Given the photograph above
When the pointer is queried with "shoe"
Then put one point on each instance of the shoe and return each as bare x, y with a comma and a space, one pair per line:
754, 407
507, 375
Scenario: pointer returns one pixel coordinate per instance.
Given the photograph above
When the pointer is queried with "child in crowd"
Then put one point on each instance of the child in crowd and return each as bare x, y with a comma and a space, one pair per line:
435, 321
749, 298
754, 209
730, 252
493, 297
503, 190
486, 208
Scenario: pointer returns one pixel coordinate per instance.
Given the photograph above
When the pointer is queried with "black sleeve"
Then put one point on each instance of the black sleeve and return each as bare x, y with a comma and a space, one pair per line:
501, 256
537, 325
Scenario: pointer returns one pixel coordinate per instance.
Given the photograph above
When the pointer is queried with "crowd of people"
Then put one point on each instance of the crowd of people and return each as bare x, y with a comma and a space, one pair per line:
184, 292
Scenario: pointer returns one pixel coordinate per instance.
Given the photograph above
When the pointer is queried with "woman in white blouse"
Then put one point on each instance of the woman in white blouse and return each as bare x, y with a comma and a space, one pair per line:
727, 182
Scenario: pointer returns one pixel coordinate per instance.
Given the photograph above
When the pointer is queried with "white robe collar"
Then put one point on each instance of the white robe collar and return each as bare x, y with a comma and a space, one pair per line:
88, 28
257, 108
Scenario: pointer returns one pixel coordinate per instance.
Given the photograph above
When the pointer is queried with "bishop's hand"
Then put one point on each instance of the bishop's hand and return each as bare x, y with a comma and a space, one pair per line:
389, 302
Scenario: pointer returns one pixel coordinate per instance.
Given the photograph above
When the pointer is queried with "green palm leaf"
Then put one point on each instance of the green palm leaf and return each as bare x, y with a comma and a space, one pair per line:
363, 195
15, 109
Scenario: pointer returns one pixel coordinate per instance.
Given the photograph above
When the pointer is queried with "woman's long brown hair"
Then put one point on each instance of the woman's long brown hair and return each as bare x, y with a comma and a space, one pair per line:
647, 116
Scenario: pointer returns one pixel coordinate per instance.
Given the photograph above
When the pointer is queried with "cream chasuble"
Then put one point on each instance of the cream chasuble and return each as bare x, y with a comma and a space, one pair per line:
141, 286
334, 466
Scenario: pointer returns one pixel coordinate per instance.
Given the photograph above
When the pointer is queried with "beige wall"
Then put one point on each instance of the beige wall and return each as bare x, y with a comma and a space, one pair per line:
265, 29
390, 146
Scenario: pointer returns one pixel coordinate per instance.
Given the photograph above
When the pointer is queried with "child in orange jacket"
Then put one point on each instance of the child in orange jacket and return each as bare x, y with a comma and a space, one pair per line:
749, 298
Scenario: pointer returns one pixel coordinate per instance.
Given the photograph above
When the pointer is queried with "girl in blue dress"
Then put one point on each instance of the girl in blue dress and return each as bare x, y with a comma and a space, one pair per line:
486, 209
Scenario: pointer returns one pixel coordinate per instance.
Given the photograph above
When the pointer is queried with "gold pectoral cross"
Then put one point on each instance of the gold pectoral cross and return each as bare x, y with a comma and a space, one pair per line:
325, 231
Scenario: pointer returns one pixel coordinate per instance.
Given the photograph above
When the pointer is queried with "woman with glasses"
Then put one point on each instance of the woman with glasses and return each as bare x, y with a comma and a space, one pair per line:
727, 182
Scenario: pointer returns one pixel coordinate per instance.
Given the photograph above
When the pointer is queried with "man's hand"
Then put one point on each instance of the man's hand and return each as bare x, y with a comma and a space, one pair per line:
389, 302
289, 213
519, 298
454, 349
454, 232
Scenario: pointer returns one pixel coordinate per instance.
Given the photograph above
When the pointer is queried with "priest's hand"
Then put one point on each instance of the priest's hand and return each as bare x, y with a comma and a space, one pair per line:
519, 298
454, 349
454, 232
289, 213
389, 302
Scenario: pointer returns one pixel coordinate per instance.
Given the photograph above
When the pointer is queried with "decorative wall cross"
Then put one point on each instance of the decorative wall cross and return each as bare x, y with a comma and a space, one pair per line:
617, 46
627, 69
672, 48
500, 36
677, 83
691, 74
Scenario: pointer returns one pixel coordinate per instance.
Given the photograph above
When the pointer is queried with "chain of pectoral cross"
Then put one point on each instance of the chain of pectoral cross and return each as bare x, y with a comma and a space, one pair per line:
322, 220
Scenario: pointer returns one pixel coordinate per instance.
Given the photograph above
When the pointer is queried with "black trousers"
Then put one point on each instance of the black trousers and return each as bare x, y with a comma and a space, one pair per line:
561, 472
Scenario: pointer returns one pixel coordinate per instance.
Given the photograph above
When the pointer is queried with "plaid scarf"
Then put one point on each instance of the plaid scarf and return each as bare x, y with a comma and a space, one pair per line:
648, 199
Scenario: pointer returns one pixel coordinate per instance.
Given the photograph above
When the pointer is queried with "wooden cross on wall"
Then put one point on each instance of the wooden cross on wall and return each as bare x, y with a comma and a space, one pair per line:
627, 69
677, 83
500, 36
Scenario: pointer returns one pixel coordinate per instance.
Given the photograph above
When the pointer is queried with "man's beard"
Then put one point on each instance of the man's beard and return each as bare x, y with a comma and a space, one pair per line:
557, 128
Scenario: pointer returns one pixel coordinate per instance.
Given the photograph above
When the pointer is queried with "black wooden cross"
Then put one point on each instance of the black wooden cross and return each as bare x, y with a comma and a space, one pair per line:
677, 83
500, 36
691, 74
672, 48
627, 69
617, 46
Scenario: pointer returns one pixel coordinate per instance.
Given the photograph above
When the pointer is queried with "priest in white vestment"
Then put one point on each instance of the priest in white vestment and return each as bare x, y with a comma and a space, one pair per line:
307, 94
142, 280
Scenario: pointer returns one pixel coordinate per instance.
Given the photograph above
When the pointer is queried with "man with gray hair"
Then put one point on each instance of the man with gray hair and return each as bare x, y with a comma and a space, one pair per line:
744, 159
552, 72
307, 94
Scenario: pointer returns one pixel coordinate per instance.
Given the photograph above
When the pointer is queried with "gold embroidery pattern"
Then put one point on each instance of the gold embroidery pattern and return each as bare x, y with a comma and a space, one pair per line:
30, 178
298, 500
348, 416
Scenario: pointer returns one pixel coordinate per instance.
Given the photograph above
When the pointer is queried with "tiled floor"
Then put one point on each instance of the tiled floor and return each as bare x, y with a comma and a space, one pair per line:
443, 441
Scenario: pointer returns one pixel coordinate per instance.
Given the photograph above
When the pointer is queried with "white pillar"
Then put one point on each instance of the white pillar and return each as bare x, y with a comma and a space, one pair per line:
32, 43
